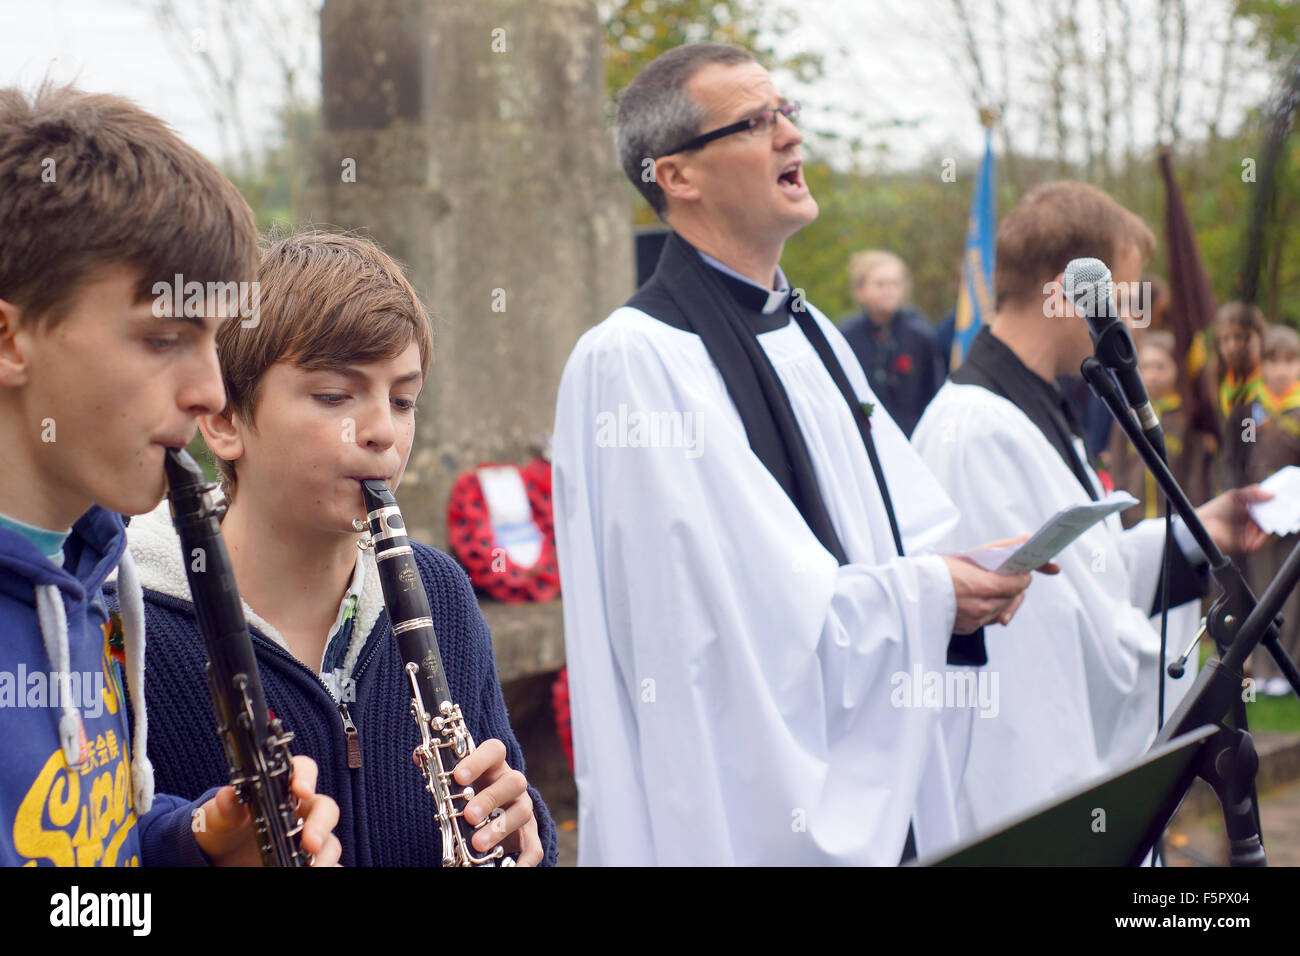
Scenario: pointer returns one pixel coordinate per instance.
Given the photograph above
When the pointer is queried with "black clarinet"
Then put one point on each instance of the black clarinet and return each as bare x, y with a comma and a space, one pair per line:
257, 746
441, 724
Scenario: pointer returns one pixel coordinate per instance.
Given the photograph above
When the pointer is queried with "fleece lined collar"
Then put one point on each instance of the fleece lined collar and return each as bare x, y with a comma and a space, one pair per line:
157, 550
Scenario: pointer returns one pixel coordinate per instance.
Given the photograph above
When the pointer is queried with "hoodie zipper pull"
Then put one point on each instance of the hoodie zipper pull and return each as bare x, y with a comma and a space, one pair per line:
354, 740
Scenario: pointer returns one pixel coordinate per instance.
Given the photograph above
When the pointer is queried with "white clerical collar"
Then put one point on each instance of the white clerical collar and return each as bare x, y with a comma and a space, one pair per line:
775, 297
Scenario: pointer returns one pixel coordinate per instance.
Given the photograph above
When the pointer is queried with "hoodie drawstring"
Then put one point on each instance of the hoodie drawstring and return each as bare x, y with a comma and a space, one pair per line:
131, 607
53, 619
54, 632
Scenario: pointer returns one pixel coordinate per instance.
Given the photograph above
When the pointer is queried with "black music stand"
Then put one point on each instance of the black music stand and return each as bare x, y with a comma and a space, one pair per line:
1137, 801
1238, 623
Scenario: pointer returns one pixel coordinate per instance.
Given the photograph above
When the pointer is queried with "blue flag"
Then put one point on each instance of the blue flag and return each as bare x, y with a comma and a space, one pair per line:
975, 300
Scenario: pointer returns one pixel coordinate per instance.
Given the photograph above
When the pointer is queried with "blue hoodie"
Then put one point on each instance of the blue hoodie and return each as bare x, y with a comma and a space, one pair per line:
51, 812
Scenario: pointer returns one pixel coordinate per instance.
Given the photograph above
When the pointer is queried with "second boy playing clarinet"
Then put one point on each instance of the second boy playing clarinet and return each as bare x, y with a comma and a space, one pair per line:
322, 392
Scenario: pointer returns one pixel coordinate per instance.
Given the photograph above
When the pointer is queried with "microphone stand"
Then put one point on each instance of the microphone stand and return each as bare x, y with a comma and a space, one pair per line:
1237, 622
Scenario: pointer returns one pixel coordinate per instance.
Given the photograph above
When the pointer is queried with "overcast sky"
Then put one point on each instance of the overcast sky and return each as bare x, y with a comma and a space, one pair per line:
885, 59
107, 46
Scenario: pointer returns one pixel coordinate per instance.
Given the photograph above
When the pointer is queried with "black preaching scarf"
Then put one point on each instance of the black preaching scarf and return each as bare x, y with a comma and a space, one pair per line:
686, 293
992, 365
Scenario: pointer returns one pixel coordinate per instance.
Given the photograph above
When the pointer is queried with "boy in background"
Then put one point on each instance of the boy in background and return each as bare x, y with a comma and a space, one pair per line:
1190, 454
893, 341
1276, 412
1238, 338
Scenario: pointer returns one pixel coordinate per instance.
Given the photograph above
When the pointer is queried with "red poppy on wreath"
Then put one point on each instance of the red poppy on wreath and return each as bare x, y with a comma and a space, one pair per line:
563, 719
903, 363
501, 528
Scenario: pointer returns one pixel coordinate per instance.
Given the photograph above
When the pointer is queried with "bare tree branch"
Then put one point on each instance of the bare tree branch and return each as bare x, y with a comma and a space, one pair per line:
1076, 58
215, 40
1232, 37
1104, 69
1004, 100
1162, 77
1129, 94
1178, 78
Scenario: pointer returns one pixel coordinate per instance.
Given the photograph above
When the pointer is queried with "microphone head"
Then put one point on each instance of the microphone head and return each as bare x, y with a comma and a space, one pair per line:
1087, 285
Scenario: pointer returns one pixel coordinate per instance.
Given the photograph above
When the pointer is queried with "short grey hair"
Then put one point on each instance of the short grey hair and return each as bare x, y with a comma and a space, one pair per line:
655, 113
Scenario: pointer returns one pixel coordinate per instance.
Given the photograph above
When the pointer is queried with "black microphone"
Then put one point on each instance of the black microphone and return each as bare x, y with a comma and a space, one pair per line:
1088, 286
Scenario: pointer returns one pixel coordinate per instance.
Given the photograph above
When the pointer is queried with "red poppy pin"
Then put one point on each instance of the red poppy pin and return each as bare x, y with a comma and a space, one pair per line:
903, 364
116, 642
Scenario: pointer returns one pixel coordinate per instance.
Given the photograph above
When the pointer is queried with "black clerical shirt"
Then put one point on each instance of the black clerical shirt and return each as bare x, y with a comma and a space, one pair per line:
990, 364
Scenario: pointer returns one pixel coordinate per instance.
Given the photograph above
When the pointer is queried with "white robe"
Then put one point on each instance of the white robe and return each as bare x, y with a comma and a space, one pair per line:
1076, 666
730, 684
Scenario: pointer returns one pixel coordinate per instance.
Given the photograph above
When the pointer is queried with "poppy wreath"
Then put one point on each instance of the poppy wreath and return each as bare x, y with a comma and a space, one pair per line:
473, 542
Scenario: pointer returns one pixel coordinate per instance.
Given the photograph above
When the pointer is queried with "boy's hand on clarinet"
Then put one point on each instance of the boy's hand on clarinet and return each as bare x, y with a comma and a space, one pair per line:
499, 788
227, 837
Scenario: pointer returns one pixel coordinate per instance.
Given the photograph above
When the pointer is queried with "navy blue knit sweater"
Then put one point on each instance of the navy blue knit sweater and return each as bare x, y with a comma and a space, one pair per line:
386, 817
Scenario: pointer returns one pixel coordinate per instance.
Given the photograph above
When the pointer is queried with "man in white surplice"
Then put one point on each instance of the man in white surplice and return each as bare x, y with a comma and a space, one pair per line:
1077, 670
740, 694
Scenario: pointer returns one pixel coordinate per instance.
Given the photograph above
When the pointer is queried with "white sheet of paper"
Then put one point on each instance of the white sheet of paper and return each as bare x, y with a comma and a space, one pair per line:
1280, 516
1051, 539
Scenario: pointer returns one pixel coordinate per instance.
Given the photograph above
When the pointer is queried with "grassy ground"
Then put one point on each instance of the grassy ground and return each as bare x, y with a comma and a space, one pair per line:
1275, 714
1280, 714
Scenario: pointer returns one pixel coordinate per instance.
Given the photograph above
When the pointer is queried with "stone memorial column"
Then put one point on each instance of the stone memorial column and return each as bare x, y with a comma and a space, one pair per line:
469, 138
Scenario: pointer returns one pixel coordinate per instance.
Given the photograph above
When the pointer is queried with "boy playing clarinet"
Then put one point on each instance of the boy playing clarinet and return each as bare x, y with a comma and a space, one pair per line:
322, 394
98, 202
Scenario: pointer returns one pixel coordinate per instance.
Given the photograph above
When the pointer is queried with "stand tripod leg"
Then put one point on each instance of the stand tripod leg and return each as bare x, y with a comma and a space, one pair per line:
1229, 767
1283, 661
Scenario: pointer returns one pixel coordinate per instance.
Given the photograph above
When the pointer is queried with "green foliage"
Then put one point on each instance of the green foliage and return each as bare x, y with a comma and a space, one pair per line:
923, 219
1220, 202
913, 214
203, 456
639, 30
1277, 23
274, 188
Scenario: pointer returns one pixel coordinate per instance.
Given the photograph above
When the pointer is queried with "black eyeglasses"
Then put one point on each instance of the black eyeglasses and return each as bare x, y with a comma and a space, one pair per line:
760, 124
